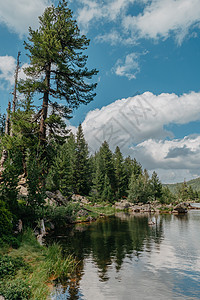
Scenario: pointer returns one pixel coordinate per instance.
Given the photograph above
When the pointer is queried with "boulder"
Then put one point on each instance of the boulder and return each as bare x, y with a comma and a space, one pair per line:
82, 213
56, 198
80, 198
22, 186
123, 204
180, 208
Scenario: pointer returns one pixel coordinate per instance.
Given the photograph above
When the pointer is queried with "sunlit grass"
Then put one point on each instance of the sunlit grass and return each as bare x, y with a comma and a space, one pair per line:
101, 208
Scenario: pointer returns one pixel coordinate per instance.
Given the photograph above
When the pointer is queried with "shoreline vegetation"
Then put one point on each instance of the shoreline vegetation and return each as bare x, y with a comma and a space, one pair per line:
29, 272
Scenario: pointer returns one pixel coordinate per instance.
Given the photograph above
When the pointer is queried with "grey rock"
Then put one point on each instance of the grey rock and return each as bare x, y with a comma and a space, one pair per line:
82, 213
180, 208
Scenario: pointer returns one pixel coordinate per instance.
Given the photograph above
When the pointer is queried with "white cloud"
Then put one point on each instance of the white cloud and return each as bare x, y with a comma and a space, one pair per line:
91, 10
112, 37
138, 126
19, 15
129, 67
115, 38
96, 10
180, 153
7, 68
161, 17
7, 71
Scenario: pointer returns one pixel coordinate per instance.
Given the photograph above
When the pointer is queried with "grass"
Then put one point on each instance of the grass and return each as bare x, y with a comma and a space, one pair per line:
44, 266
101, 208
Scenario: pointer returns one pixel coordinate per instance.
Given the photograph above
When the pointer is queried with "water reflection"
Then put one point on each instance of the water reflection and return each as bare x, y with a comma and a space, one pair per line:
125, 258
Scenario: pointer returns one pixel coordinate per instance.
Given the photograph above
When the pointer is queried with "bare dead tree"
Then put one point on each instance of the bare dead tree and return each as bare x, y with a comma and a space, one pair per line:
7, 127
15, 89
4, 154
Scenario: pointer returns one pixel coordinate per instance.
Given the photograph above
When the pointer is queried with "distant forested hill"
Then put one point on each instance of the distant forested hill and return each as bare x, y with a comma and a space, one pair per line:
195, 184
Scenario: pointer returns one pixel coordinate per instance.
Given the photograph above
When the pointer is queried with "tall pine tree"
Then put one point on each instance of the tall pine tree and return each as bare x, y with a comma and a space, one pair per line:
120, 175
81, 168
57, 64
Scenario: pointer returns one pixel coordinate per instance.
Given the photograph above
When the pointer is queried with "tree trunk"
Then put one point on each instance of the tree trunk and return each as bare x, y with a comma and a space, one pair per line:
4, 154
7, 128
45, 106
15, 90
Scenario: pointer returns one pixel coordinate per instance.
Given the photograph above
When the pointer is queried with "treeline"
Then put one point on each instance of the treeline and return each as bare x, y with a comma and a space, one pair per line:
104, 176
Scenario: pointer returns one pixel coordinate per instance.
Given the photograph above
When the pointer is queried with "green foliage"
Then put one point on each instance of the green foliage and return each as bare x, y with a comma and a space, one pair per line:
60, 176
57, 66
17, 289
156, 186
35, 181
140, 188
120, 174
62, 215
2, 124
8, 188
9, 240
81, 167
5, 220
10, 265
185, 192
167, 196
131, 167
98, 177
24, 129
104, 181
107, 193
194, 183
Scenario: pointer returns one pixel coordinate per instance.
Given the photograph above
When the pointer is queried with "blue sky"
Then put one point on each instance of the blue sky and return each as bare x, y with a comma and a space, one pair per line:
148, 56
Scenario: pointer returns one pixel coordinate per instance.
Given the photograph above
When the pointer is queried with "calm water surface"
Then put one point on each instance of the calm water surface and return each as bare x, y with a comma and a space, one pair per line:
125, 258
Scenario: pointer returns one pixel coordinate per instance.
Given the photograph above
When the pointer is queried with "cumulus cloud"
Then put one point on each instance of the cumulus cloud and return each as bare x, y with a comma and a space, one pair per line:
96, 10
115, 38
7, 68
180, 153
138, 126
7, 71
19, 15
161, 17
129, 67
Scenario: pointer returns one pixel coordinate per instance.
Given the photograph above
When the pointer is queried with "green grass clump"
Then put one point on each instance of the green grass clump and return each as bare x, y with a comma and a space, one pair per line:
102, 208
53, 266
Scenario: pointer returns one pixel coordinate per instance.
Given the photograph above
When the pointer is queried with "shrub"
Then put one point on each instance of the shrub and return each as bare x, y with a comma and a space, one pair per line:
5, 219
16, 289
10, 240
62, 215
10, 265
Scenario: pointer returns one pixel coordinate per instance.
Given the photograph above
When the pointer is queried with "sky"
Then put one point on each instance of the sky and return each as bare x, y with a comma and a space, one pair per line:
148, 95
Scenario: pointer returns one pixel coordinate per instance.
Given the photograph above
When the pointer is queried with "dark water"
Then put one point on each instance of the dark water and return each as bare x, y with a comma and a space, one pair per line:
125, 258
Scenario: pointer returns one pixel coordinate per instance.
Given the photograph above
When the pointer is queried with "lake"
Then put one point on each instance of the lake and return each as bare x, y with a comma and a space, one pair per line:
123, 257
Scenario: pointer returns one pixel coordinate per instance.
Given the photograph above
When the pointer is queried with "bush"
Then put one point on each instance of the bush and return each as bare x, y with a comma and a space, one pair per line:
16, 289
10, 265
5, 219
9, 240
62, 215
